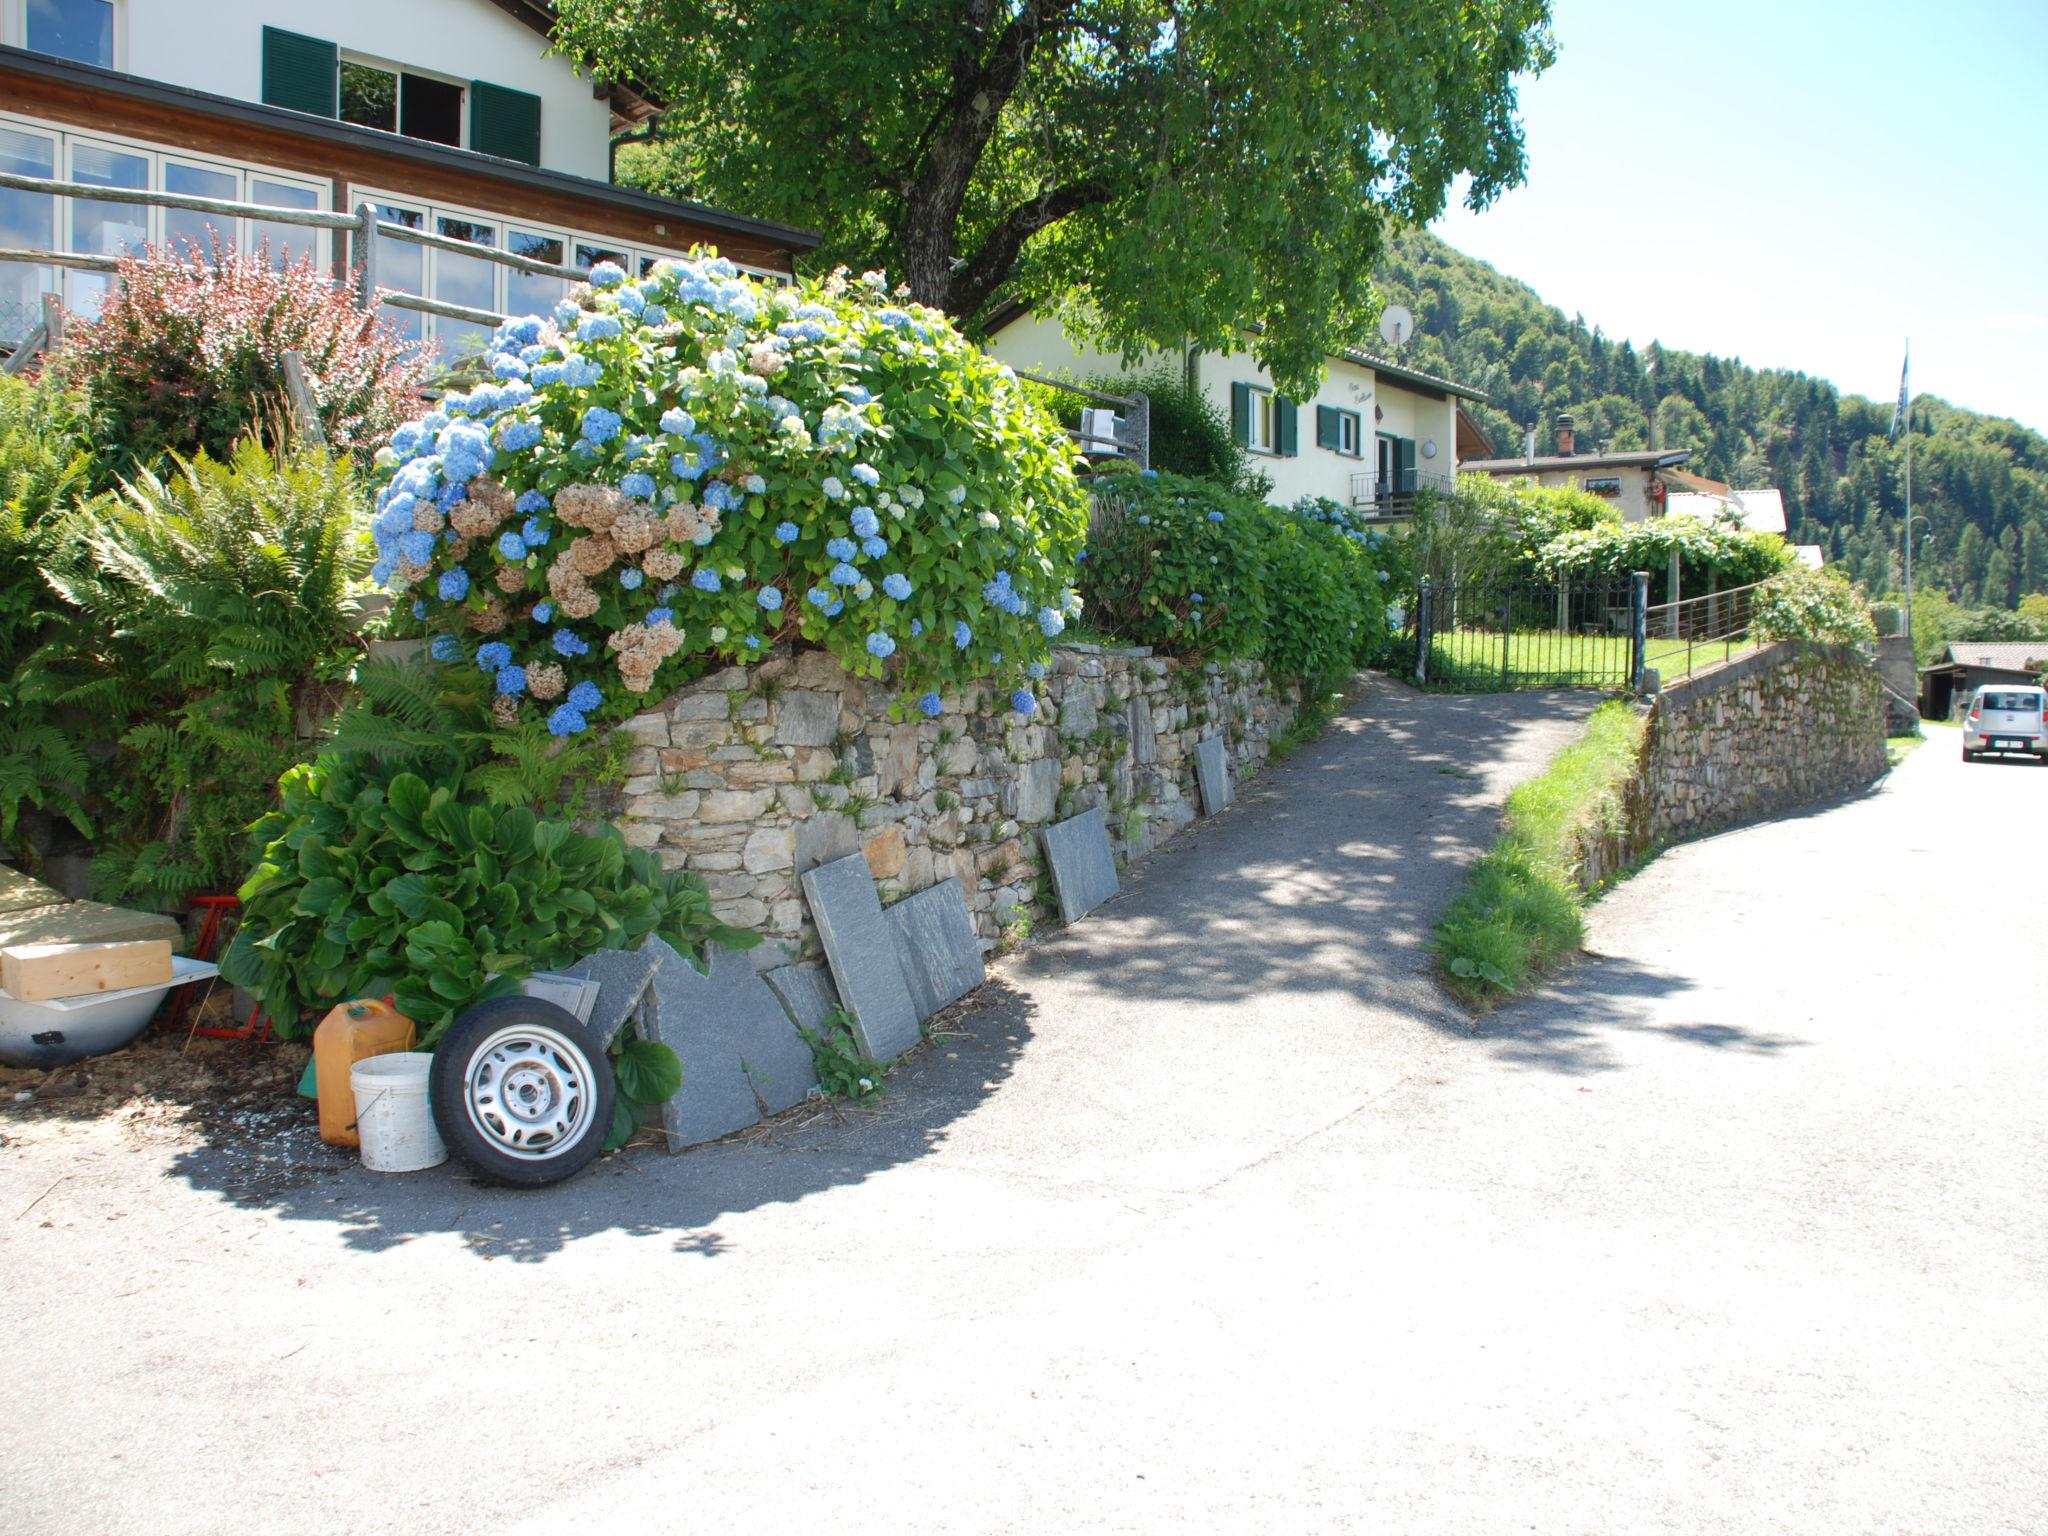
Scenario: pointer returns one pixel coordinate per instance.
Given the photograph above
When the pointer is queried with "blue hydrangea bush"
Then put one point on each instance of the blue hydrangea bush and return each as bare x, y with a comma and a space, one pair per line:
696, 466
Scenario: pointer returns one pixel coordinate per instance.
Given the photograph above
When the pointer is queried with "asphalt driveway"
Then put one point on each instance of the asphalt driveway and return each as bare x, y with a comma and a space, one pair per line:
1216, 1216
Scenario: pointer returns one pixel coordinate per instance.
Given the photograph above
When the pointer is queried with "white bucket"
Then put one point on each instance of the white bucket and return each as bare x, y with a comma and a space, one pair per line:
392, 1114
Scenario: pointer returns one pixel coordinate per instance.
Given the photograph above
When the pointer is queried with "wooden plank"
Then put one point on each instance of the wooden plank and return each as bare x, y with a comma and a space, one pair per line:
312, 218
305, 409
18, 892
84, 922
38, 973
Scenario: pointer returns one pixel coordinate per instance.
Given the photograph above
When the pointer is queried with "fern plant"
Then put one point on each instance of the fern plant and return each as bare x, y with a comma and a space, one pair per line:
211, 618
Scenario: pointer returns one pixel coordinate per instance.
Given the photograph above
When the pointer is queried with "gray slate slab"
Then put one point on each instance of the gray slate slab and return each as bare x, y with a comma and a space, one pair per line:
863, 957
806, 991
1083, 866
936, 946
741, 1056
1212, 775
622, 976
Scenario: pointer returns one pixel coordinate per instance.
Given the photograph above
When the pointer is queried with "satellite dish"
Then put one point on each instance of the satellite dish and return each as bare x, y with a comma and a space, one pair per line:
1396, 325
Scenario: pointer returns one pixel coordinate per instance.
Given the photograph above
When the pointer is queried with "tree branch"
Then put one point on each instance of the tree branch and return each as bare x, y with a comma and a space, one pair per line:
990, 266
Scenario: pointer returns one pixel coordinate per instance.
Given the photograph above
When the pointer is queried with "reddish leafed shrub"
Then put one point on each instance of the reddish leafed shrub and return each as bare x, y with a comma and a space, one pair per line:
186, 355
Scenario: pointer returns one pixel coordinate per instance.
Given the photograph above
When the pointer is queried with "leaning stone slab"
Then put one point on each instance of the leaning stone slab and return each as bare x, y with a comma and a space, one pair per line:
741, 1056
806, 991
1083, 867
864, 965
1212, 775
936, 946
622, 977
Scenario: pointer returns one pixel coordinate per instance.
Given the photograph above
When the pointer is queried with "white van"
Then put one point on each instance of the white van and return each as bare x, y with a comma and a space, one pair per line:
2006, 717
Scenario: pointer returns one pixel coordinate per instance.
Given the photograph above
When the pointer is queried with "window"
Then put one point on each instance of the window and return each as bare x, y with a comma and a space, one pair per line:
528, 293
105, 228
395, 100
1338, 431
187, 231
82, 30
28, 222
1264, 436
2017, 703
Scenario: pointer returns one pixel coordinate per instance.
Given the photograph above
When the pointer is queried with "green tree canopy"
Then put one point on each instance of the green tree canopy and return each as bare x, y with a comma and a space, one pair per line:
1192, 169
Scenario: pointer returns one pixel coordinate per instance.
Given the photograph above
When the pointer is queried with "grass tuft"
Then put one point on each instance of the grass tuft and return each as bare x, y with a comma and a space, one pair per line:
1519, 913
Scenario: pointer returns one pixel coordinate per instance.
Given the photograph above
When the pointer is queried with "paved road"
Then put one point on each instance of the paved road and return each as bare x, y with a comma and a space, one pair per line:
1215, 1218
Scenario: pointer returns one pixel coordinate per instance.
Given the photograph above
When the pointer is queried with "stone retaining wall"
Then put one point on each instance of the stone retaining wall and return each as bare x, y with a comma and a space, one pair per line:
755, 774
1789, 724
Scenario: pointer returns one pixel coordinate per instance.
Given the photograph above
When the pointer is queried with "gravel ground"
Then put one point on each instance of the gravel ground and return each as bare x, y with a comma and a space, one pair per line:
1215, 1215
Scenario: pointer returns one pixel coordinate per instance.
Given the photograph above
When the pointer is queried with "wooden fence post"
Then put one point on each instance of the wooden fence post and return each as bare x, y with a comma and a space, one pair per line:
1423, 601
364, 238
305, 409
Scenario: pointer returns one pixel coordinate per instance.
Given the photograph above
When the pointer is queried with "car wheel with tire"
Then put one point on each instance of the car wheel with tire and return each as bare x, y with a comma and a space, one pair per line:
522, 1091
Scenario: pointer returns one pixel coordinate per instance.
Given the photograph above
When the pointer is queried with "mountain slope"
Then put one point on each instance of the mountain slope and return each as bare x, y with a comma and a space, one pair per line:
1981, 480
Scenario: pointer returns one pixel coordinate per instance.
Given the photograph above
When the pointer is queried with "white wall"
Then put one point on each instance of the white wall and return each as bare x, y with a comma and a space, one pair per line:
217, 45
1633, 503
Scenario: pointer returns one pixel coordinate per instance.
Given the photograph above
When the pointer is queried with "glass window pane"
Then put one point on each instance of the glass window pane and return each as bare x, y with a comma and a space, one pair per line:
466, 280
73, 29
28, 221
588, 256
369, 96
525, 292
188, 232
401, 267
286, 243
430, 109
100, 228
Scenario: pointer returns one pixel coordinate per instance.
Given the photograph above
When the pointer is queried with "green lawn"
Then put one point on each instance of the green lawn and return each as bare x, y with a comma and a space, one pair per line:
1548, 658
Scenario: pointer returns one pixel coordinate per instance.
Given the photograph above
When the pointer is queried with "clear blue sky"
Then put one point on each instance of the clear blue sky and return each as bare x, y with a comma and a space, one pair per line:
1800, 183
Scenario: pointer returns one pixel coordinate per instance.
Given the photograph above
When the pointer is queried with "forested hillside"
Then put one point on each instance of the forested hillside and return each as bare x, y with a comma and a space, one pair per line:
1982, 480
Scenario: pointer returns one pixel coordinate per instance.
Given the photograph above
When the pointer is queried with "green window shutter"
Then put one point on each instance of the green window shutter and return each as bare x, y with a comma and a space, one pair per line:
1241, 414
1404, 473
1283, 429
302, 73
504, 122
1326, 427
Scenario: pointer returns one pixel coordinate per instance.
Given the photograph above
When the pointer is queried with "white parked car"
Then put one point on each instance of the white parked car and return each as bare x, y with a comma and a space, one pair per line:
2006, 718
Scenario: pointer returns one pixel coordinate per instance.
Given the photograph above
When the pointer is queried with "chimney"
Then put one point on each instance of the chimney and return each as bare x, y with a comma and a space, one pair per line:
1565, 436
1529, 447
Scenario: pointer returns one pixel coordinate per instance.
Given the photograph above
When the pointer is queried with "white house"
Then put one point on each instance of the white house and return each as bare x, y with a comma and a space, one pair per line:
1371, 435
446, 115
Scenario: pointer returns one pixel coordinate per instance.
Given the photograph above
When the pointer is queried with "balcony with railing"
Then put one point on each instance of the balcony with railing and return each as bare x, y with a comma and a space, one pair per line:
1391, 496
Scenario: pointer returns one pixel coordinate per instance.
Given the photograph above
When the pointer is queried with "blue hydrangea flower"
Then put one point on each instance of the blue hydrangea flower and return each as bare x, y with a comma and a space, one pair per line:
566, 312
542, 612
566, 721
720, 497
881, 645
511, 679
678, 422
581, 372
659, 616
419, 608
916, 628
756, 485
1051, 622
631, 300
685, 466
445, 648
867, 474
844, 575
1037, 670
897, 585
454, 585
820, 597
584, 697
654, 314
631, 577
493, 655
417, 547
1023, 702
838, 607
600, 425
786, 533
518, 436
511, 546
841, 549
1194, 597
568, 643
1215, 517
704, 579
865, 524
834, 487
546, 374
874, 548
931, 704
383, 571
769, 598
638, 486
531, 501
961, 634
1144, 521
607, 274
532, 533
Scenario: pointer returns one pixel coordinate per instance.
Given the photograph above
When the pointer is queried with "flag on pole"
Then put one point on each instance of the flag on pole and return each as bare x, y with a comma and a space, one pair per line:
1899, 411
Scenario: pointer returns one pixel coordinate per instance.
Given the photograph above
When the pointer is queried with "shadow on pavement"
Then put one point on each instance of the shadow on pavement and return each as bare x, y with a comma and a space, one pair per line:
642, 1191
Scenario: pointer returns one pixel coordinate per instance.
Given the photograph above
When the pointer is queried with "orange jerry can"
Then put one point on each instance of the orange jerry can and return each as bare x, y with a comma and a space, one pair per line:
351, 1031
